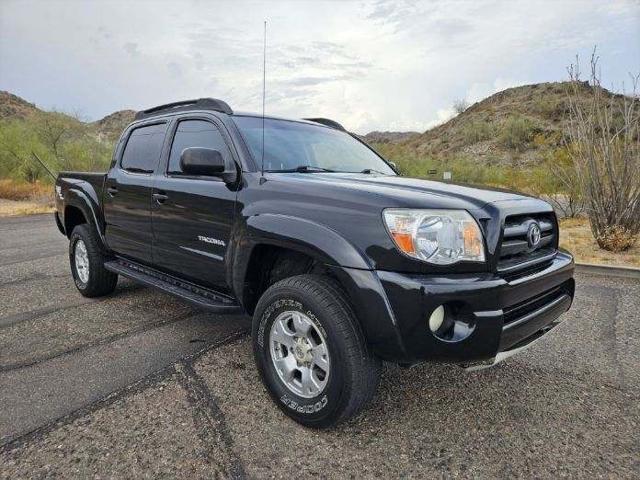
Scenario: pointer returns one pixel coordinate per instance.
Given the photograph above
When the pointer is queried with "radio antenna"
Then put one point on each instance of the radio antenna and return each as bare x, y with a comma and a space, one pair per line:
44, 165
264, 89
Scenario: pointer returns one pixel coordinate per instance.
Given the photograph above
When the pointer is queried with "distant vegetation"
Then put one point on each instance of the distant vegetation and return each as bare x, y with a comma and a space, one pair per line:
570, 142
517, 138
62, 141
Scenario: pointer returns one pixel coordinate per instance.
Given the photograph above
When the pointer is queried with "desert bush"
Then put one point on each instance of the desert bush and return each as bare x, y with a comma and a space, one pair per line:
517, 132
476, 132
604, 136
550, 108
467, 169
59, 140
460, 105
616, 238
566, 193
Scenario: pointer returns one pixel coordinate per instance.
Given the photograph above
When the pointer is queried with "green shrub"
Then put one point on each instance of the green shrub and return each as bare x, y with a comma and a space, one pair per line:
465, 169
549, 107
476, 132
60, 141
517, 132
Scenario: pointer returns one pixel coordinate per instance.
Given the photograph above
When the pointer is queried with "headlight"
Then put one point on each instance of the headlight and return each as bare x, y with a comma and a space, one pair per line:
441, 237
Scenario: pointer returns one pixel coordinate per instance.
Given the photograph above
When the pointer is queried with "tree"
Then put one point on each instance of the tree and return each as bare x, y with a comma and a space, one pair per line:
460, 105
604, 145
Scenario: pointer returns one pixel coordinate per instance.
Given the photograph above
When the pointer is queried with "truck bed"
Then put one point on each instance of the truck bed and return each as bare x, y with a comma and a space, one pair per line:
96, 179
70, 186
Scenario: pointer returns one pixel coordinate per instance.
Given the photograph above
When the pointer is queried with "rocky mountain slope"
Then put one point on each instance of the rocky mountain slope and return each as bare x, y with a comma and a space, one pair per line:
111, 126
388, 137
12, 106
517, 126
107, 129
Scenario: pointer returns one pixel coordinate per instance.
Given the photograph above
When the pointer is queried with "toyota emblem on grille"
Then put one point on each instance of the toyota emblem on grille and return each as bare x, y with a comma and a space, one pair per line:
533, 235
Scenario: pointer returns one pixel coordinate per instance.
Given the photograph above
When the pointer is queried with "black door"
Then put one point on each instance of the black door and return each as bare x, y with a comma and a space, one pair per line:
193, 215
127, 195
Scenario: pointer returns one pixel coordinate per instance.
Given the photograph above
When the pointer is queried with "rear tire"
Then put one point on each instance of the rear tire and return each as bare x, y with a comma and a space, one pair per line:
87, 263
311, 352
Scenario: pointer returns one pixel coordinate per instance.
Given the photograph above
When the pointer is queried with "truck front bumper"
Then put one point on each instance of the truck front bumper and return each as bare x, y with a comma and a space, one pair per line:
493, 317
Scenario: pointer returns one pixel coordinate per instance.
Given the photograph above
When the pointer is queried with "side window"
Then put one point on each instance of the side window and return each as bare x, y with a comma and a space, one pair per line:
143, 148
195, 133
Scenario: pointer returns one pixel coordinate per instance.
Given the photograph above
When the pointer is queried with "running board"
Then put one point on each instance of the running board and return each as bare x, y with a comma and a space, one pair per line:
202, 297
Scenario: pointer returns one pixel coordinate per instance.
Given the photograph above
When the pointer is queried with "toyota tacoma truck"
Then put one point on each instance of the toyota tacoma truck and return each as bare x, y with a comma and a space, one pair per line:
341, 262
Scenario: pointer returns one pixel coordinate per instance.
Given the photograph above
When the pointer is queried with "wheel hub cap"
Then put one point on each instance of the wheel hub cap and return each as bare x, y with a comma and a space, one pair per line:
302, 350
299, 354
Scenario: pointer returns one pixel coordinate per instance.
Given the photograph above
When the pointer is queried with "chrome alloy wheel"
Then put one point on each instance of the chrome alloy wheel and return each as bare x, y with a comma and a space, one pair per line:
299, 354
81, 261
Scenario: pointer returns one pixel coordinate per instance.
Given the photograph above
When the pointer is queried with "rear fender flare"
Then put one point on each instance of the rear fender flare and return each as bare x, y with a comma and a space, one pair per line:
89, 207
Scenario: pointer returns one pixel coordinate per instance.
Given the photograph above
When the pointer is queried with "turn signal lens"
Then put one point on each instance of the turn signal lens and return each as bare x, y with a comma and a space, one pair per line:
404, 241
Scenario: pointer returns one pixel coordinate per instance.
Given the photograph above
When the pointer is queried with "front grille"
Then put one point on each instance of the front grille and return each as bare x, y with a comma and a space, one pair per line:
517, 254
520, 310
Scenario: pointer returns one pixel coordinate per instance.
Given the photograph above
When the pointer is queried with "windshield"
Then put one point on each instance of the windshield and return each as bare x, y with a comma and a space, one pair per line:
291, 146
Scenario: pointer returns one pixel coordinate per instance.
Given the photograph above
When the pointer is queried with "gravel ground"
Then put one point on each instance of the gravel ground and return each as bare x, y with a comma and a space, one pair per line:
176, 395
148, 434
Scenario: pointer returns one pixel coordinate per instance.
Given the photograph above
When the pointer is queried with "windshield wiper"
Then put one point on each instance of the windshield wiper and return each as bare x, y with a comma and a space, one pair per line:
372, 170
303, 169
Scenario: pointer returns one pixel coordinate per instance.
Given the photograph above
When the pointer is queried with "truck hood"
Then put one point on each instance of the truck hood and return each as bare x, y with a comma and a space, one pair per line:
351, 206
412, 192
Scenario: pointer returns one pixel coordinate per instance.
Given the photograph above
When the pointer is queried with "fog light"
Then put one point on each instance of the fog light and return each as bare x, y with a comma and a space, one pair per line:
436, 319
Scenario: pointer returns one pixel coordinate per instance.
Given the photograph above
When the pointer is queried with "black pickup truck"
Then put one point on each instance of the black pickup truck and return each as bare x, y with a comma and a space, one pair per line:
342, 262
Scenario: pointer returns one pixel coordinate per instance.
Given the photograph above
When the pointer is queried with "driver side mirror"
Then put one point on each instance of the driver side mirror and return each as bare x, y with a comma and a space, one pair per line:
202, 161
393, 166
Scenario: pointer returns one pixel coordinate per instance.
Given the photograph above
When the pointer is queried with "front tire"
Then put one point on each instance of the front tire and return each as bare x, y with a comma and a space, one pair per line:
87, 263
311, 352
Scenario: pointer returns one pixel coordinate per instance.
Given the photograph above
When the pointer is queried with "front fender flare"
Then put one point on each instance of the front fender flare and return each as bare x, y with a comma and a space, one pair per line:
351, 267
313, 239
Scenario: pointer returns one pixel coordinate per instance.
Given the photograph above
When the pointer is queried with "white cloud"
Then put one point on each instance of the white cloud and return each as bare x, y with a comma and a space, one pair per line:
370, 65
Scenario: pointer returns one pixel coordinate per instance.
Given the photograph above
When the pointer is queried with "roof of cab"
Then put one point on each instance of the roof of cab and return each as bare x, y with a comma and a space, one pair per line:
216, 105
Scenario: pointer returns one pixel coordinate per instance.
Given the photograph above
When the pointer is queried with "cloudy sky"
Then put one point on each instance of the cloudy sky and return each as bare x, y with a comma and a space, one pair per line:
384, 65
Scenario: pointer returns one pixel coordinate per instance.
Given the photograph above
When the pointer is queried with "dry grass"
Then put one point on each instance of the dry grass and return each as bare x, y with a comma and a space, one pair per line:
35, 192
25, 198
13, 208
576, 236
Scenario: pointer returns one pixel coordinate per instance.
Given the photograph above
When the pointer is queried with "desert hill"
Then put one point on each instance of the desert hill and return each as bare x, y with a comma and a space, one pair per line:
517, 126
108, 129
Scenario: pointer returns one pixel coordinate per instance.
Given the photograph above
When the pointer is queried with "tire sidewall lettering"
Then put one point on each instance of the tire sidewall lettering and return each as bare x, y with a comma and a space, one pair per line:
303, 406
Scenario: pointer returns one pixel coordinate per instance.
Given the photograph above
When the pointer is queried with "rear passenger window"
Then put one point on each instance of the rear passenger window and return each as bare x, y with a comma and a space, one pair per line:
143, 148
195, 133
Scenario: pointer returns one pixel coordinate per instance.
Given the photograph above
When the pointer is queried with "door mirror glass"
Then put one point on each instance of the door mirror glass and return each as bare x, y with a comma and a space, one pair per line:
202, 161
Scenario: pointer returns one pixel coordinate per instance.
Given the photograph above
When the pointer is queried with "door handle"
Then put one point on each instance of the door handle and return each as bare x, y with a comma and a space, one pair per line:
160, 197
112, 191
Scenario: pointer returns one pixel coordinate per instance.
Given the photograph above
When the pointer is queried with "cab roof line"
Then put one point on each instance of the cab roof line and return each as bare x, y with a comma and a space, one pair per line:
212, 104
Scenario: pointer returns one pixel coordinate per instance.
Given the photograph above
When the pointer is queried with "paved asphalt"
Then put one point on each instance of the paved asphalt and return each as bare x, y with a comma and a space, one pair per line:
139, 384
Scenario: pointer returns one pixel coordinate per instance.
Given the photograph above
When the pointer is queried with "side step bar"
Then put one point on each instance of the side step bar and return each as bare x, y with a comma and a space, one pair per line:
202, 297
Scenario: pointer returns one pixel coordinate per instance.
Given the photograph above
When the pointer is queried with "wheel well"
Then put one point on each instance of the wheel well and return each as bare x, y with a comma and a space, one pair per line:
73, 217
270, 264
